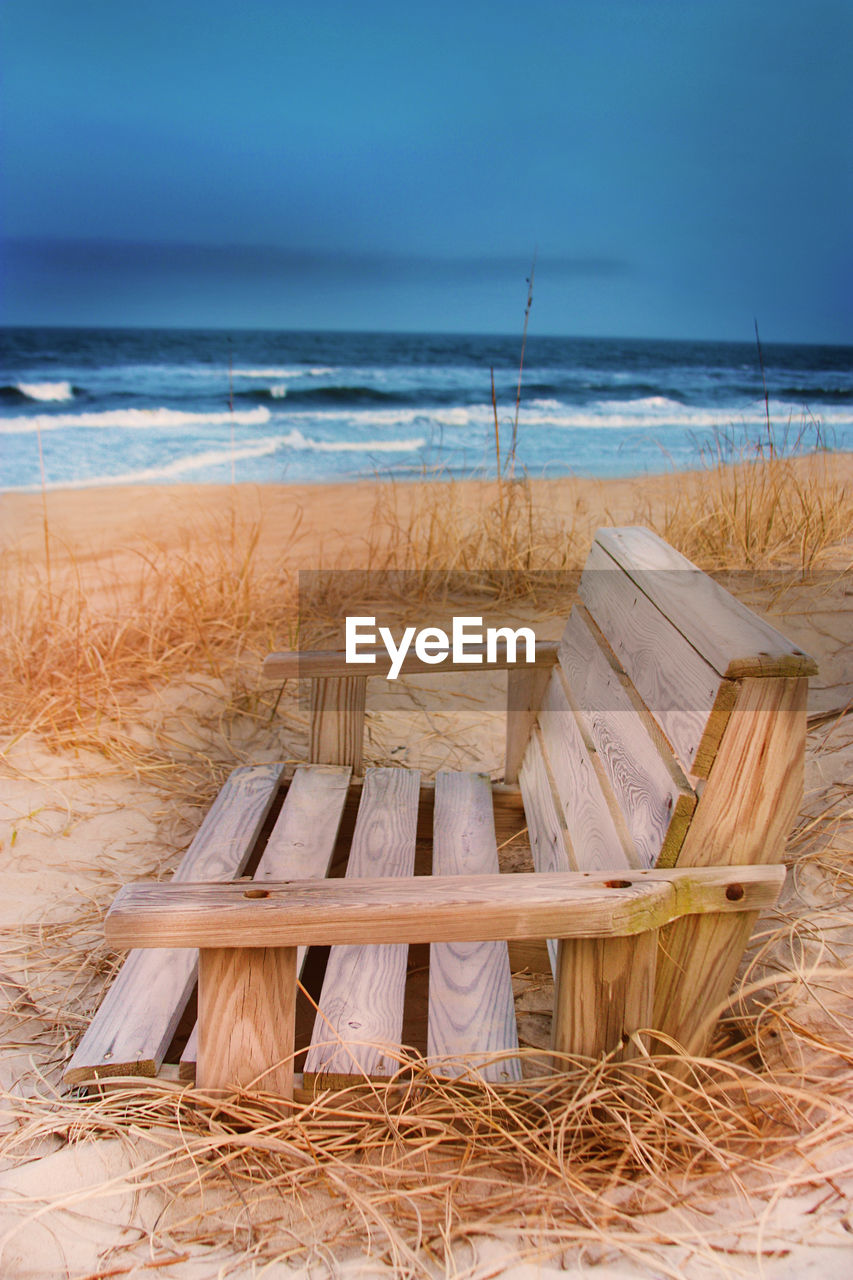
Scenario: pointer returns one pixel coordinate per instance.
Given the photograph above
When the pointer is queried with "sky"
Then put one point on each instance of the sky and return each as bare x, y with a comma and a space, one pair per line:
678, 168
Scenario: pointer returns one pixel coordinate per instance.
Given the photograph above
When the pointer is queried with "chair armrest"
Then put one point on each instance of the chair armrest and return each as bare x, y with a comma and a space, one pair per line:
430, 908
319, 663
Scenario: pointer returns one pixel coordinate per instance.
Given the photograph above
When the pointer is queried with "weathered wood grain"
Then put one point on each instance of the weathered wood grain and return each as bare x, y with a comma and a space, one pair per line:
603, 995
698, 959
733, 639
549, 837
246, 1018
596, 829
471, 1008
755, 790
337, 721
302, 841
654, 796
360, 1020
744, 816
550, 844
300, 846
396, 909
132, 1029
525, 689
312, 664
687, 697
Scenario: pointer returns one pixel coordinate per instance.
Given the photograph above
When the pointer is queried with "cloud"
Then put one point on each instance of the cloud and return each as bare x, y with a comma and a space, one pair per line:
127, 261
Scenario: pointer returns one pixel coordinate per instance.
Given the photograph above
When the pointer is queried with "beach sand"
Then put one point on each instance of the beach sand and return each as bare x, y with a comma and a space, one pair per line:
77, 821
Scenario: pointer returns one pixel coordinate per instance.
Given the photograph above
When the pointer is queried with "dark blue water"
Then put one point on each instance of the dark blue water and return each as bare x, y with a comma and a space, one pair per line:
152, 406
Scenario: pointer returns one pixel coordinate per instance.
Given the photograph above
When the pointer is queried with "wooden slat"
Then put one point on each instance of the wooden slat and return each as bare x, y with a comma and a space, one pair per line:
549, 837
603, 995
755, 790
337, 721
599, 838
247, 1004
139, 1014
471, 1008
396, 909
300, 847
525, 689
360, 1020
303, 839
747, 809
655, 798
733, 639
687, 697
315, 663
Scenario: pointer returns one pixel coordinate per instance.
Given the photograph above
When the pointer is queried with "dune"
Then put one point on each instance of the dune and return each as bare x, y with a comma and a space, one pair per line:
134, 622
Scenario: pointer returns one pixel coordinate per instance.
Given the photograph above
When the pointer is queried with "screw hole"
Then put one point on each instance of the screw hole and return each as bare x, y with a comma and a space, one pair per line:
734, 892
256, 893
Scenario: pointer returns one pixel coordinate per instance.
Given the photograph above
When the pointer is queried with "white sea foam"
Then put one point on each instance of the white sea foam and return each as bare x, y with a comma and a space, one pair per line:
278, 392
132, 419
288, 371
658, 411
167, 470
56, 391
645, 413
453, 417
296, 440
211, 458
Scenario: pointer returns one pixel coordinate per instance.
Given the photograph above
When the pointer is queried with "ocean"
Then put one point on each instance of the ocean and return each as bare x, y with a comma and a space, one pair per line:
162, 406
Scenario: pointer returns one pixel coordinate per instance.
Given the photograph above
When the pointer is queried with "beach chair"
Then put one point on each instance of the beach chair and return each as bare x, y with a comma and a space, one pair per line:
654, 756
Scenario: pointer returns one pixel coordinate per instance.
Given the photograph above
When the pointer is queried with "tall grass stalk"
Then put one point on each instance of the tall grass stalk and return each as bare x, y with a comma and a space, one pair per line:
514, 445
764, 384
498, 472
45, 524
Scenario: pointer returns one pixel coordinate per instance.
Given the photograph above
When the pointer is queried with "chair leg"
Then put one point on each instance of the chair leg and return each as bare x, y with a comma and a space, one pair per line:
246, 1015
604, 993
337, 720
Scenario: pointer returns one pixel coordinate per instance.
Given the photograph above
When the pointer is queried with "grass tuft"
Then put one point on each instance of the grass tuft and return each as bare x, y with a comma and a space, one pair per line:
759, 505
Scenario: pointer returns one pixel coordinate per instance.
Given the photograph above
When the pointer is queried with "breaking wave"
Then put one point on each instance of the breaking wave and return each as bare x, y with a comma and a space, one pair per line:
296, 440
44, 392
132, 419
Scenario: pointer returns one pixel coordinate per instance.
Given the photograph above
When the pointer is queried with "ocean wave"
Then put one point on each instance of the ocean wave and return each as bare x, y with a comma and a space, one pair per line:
579, 382
132, 419
829, 394
296, 440
55, 392
652, 412
646, 413
168, 470
286, 371
336, 394
212, 458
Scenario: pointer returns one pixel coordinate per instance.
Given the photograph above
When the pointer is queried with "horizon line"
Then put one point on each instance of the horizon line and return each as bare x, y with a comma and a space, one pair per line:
370, 331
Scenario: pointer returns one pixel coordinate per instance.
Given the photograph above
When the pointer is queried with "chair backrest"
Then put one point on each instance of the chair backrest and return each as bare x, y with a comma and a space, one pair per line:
672, 705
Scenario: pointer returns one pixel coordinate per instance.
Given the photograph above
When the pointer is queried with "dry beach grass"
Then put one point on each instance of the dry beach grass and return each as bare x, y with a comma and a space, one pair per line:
130, 687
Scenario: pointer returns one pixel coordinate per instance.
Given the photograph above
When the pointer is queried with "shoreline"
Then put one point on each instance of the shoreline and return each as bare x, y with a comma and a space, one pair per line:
105, 518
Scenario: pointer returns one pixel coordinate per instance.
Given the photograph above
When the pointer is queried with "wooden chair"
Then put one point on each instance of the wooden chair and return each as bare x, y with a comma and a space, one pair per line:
655, 755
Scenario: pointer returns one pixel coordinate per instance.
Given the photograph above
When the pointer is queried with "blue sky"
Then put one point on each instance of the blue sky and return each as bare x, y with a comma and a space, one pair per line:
678, 166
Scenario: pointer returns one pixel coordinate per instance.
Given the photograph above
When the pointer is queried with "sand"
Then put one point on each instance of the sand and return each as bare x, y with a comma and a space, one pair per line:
76, 824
